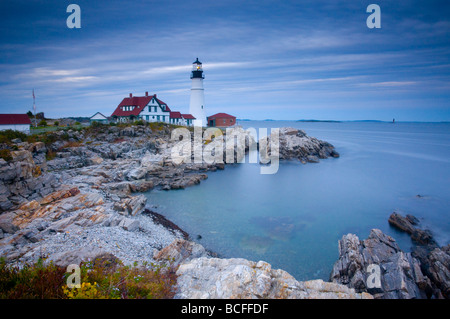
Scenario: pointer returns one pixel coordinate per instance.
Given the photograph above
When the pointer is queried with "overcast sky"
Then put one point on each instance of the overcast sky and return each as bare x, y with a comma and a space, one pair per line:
262, 59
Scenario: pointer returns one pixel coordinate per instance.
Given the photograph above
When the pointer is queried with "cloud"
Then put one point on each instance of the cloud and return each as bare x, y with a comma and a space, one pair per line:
389, 84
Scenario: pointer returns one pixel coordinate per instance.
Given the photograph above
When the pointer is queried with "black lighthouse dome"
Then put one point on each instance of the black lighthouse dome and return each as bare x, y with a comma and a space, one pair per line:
197, 71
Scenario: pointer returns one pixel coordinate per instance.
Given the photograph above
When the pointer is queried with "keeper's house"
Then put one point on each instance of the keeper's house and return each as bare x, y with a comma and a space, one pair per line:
16, 122
150, 109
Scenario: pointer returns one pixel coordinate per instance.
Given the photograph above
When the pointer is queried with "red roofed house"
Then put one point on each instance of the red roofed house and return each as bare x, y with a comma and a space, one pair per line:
221, 120
16, 122
147, 108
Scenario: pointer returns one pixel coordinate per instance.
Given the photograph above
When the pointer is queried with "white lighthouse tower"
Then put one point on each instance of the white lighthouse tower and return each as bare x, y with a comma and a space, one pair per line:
197, 103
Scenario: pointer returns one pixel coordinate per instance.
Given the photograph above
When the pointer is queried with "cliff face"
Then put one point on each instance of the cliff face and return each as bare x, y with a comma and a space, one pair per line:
25, 176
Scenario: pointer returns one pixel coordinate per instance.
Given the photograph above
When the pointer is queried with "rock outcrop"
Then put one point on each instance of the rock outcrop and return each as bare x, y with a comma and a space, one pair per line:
435, 265
400, 275
25, 177
236, 278
408, 224
296, 144
434, 260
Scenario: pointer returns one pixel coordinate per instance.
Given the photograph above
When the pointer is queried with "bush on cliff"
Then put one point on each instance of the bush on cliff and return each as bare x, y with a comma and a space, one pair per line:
104, 278
31, 281
6, 154
7, 136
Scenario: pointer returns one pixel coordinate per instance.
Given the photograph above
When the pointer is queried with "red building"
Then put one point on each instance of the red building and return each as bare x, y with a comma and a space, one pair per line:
221, 120
16, 122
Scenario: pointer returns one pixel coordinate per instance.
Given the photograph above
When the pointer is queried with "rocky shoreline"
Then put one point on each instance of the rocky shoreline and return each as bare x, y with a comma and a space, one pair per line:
78, 194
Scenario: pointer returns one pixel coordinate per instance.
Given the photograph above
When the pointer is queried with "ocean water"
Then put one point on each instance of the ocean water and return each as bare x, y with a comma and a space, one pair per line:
293, 219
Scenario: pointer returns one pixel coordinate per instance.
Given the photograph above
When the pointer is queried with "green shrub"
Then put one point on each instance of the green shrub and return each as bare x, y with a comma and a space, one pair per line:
107, 278
104, 278
31, 281
6, 154
7, 136
42, 123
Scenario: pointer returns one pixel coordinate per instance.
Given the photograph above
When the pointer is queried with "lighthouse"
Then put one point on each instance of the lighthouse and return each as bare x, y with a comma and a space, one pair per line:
197, 103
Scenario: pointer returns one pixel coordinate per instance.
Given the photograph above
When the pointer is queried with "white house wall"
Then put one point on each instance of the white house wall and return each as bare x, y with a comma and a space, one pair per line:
25, 128
148, 113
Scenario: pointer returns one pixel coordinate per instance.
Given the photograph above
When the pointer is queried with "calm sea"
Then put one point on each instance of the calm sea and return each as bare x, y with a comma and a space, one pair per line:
294, 218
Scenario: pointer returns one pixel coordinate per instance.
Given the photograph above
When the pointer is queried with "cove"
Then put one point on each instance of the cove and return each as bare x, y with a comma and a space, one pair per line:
293, 219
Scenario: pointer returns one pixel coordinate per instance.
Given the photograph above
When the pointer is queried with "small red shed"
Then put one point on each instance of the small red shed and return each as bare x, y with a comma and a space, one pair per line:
221, 120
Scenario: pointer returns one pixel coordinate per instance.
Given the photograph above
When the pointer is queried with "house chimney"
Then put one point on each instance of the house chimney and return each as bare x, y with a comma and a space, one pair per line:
146, 93
131, 94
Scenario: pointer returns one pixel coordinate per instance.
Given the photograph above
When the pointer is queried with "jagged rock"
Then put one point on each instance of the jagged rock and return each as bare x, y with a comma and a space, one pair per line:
38, 147
141, 186
137, 173
59, 195
6, 223
438, 269
434, 261
407, 224
294, 143
127, 131
122, 189
188, 180
400, 273
243, 279
435, 264
131, 206
180, 251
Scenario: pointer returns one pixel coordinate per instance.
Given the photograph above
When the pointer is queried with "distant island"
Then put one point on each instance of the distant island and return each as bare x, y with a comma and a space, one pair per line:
328, 121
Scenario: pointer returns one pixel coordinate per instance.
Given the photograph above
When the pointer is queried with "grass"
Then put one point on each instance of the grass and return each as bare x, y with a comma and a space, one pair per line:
103, 278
